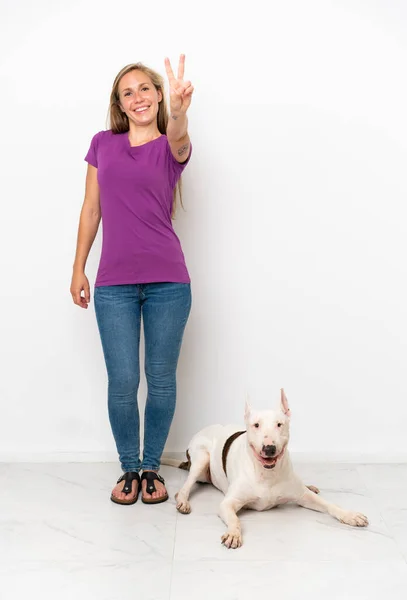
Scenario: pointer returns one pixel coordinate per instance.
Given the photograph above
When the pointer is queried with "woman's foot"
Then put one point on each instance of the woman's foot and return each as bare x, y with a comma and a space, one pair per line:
160, 493
127, 489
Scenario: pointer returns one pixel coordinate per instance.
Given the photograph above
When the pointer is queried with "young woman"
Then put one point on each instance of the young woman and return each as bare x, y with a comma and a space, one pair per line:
134, 170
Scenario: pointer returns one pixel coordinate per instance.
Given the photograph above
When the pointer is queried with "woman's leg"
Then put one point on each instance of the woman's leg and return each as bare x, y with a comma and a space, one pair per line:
118, 313
166, 308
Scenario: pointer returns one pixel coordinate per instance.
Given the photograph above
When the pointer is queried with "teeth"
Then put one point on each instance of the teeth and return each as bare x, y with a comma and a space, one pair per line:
141, 109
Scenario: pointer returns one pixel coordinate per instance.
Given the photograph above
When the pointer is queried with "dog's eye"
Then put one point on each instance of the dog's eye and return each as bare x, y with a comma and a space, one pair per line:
256, 425
279, 424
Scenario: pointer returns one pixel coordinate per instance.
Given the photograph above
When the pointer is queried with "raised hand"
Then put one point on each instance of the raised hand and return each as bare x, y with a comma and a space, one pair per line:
180, 90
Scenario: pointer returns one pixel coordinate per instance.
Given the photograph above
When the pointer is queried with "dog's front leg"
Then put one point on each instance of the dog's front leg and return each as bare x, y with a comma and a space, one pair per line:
228, 510
311, 500
199, 464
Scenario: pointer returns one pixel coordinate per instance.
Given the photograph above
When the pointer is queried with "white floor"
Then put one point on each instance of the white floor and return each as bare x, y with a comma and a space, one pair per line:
62, 538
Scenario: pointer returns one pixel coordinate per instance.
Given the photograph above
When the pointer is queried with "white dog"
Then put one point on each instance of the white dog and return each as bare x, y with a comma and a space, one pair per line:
253, 469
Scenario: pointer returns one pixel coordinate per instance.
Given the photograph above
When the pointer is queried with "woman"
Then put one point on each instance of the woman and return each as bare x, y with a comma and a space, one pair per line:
133, 172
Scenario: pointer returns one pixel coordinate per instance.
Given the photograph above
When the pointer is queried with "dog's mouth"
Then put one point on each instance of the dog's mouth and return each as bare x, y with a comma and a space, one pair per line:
268, 462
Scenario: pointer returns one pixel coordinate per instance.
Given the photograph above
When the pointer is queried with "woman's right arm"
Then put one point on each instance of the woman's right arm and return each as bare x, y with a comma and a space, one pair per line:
88, 227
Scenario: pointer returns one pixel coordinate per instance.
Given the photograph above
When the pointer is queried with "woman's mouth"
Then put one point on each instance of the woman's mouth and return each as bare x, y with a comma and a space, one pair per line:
141, 109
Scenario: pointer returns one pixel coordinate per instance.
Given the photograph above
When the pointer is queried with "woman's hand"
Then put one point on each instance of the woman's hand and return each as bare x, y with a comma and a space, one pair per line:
180, 90
80, 284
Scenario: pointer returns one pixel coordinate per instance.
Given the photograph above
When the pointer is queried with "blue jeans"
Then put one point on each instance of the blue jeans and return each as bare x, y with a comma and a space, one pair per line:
165, 309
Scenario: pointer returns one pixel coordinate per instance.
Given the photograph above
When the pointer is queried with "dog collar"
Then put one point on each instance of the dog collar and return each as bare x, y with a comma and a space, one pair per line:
227, 446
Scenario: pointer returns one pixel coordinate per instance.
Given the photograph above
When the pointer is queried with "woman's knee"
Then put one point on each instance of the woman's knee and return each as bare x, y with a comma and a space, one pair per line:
161, 376
124, 384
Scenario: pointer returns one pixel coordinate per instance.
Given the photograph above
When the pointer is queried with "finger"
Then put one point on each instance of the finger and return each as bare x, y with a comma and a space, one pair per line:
189, 91
181, 66
186, 102
179, 88
77, 298
170, 74
87, 293
182, 86
177, 91
83, 303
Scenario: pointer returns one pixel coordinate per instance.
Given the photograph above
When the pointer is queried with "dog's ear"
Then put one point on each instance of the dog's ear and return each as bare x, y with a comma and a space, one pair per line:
247, 408
284, 404
247, 411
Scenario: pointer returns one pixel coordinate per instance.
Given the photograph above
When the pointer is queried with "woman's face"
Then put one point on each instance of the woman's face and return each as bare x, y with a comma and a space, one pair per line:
139, 98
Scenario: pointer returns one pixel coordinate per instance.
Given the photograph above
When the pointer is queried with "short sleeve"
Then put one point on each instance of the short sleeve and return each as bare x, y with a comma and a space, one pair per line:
176, 168
92, 155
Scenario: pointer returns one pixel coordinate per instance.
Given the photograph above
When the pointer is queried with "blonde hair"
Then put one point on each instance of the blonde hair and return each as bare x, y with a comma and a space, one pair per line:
119, 122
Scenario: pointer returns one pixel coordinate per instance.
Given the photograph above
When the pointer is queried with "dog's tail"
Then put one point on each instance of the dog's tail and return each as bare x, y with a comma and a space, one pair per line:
173, 462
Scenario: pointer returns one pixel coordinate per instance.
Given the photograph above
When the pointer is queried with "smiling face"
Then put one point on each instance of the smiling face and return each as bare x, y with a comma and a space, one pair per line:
138, 98
268, 433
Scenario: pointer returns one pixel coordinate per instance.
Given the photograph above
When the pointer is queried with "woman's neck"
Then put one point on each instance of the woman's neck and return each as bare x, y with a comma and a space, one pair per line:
142, 135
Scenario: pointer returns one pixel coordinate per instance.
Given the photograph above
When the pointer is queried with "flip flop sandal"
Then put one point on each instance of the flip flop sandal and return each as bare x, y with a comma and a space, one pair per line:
127, 488
150, 477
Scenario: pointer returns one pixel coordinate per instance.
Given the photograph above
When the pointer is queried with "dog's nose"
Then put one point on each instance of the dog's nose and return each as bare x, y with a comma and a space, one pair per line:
269, 450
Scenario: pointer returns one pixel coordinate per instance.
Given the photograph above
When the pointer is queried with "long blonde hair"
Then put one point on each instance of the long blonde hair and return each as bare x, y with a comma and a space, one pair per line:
119, 122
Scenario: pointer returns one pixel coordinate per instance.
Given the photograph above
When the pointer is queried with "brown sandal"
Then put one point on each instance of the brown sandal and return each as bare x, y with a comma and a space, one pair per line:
150, 477
127, 488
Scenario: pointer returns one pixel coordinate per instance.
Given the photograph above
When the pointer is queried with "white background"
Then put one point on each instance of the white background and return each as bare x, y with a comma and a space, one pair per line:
294, 229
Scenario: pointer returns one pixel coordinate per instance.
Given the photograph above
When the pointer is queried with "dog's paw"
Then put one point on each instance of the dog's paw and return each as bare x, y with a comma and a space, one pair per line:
354, 519
232, 539
313, 489
183, 506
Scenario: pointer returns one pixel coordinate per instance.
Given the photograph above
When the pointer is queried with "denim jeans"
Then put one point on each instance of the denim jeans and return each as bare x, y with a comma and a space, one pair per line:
164, 309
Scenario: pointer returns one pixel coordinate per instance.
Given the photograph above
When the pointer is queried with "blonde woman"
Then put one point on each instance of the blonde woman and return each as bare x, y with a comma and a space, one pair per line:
134, 169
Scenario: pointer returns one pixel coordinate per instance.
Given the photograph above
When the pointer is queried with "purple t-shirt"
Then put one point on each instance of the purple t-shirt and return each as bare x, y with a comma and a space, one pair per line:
136, 195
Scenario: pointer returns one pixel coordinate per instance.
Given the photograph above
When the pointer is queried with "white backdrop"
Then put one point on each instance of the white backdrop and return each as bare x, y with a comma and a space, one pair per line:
294, 230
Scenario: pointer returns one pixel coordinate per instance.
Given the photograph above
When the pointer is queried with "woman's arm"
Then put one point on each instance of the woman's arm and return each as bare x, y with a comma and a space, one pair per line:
180, 99
88, 227
178, 138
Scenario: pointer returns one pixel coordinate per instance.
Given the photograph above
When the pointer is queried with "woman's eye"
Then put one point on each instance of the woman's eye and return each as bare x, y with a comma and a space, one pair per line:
144, 89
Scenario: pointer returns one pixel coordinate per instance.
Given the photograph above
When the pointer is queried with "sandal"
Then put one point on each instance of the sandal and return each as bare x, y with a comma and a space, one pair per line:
150, 477
128, 477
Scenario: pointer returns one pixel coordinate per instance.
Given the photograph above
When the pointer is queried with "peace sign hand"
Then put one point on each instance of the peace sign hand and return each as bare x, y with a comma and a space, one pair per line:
180, 90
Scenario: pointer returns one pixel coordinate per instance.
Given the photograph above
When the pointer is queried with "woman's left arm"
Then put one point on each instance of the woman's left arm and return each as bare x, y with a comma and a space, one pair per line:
180, 100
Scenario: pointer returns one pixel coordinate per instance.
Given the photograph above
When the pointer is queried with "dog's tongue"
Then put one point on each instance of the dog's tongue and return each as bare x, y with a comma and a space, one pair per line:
268, 460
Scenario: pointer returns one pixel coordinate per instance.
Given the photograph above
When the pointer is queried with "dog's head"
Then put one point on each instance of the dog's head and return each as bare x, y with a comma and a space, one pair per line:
268, 432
